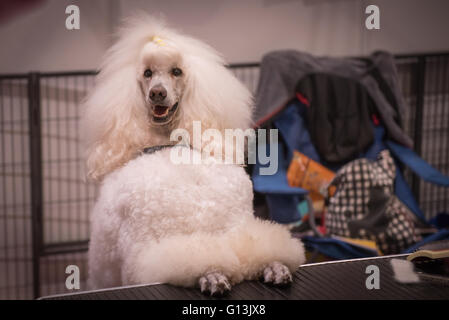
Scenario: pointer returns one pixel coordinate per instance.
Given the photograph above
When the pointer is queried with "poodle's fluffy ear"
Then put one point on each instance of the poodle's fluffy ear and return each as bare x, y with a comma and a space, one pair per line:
213, 94
115, 123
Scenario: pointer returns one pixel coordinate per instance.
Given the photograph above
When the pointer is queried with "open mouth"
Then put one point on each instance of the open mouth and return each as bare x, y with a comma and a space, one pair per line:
161, 114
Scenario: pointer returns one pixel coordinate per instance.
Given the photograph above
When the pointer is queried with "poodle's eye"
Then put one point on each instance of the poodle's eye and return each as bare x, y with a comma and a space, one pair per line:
176, 72
148, 73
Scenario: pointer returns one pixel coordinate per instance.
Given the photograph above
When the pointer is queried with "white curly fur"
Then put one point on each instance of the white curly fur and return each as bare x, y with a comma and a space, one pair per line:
155, 221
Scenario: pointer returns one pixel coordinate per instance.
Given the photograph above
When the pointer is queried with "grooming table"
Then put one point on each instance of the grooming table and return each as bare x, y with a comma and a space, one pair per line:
344, 279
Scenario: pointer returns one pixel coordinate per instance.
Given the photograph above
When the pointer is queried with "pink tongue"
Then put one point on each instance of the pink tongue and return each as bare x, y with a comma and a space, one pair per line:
160, 110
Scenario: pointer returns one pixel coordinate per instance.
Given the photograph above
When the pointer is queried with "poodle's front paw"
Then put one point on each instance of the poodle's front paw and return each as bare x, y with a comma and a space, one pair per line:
214, 283
277, 274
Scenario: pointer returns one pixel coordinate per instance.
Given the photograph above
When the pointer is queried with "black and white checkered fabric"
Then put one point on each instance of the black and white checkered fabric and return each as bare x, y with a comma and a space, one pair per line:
364, 205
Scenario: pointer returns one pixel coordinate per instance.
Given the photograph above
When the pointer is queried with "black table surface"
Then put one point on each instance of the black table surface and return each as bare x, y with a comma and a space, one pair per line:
328, 280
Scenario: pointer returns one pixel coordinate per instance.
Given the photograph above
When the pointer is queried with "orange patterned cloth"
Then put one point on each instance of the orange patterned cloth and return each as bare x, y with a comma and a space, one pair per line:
308, 174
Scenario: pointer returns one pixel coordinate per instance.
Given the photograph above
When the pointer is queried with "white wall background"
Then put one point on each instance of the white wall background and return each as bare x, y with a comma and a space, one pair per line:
243, 30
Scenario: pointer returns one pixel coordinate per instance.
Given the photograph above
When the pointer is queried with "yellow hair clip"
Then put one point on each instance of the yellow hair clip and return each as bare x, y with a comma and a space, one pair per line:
158, 40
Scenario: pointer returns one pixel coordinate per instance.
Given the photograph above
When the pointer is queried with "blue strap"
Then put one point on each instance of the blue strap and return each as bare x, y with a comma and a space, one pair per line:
276, 183
404, 193
439, 235
336, 249
417, 165
282, 200
283, 207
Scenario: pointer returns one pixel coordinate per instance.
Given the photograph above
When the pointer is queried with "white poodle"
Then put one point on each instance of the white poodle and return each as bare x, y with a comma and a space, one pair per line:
160, 222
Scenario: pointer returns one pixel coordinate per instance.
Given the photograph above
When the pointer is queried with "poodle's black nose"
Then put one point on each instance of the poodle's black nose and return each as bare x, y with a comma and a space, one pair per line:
158, 94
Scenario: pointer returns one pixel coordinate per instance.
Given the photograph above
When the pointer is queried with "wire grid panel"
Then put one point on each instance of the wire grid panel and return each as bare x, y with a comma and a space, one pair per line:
15, 200
407, 73
248, 75
435, 133
67, 196
433, 138
407, 81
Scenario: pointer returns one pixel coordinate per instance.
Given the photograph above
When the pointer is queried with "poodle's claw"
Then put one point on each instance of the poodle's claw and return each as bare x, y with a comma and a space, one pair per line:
214, 283
277, 274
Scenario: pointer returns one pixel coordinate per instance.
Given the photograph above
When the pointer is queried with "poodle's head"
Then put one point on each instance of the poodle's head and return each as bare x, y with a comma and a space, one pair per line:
154, 80
162, 80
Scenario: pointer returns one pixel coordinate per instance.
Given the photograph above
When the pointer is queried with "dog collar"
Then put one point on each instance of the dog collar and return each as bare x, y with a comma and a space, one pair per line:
153, 149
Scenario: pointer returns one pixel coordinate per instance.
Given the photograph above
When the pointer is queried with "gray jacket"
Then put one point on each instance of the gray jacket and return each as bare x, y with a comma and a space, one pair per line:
281, 71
